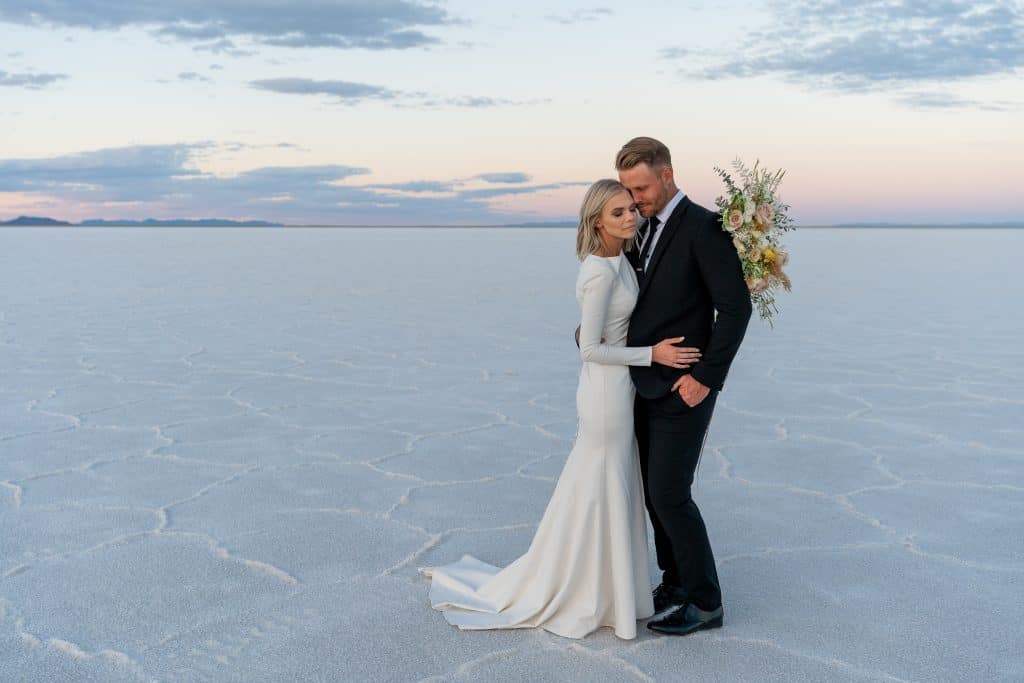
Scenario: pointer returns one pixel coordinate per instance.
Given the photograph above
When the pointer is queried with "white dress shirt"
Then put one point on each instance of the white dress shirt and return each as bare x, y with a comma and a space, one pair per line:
663, 216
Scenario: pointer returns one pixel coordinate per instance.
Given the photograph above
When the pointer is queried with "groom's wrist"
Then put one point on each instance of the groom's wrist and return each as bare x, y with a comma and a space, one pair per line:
700, 373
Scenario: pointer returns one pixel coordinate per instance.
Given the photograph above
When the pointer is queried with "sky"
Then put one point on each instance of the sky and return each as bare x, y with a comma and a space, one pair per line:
405, 112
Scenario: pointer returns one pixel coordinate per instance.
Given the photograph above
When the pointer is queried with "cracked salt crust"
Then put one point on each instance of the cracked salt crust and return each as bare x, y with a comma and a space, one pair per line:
236, 475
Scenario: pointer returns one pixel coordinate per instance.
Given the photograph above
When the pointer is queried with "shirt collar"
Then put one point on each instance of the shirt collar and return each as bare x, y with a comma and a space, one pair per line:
664, 214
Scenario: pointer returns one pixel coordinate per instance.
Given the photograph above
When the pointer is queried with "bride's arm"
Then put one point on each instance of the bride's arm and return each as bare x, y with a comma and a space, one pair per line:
597, 294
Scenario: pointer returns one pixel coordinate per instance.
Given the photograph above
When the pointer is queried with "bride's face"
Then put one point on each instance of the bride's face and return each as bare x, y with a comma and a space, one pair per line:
618, 217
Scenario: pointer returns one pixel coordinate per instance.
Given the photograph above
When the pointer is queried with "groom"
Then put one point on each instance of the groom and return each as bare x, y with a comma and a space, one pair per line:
688, 271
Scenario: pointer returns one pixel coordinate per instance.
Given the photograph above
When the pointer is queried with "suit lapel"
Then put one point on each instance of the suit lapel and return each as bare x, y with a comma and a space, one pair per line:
672, 226
633, 256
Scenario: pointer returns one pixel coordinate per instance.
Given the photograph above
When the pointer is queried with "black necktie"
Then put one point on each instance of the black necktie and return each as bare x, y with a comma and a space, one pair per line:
652, 230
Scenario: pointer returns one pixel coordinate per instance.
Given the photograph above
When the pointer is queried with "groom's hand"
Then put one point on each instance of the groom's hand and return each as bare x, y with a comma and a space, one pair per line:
691, 391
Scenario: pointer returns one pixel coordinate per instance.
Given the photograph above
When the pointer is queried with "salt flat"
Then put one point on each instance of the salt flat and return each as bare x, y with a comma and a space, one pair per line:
223, 454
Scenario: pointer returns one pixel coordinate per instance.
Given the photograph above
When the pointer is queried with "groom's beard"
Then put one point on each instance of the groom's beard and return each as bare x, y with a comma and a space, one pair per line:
651, 210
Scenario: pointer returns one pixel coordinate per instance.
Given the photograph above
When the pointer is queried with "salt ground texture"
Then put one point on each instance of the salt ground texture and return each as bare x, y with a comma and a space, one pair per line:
224, 453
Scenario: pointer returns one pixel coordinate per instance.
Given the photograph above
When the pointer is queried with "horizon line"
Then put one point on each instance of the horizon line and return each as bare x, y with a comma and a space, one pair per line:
1000, 225
47, 221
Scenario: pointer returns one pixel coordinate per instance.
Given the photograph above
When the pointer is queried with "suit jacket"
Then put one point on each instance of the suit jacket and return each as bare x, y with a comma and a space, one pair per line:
693, 272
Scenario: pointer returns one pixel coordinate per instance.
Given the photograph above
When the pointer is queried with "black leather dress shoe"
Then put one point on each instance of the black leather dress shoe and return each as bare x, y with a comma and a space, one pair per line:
667, 599
687, 619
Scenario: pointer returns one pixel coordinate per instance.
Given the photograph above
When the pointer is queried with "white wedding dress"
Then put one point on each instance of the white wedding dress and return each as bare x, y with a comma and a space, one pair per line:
587, 565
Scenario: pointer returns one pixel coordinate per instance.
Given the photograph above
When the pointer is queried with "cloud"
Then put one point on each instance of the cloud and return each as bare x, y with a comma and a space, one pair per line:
31, 81
941, 100
368, 24
494, 192
396, 40
192, 76
345, 91
416, 186
675, 52
580, 16
503, 177
935, 100
475, 102
865, 45
140, 171
165, 181
223, 46
348, 92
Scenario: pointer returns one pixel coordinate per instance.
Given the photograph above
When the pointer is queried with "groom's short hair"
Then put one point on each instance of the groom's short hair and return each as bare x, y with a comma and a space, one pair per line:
637, 151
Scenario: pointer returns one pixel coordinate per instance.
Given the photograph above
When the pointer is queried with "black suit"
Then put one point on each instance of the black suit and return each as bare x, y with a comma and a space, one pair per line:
693, 272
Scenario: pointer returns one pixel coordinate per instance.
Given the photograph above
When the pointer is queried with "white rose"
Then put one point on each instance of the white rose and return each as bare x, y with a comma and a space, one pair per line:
748, 207
741, 248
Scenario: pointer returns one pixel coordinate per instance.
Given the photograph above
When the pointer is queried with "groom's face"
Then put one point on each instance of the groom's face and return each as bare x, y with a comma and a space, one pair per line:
649, 187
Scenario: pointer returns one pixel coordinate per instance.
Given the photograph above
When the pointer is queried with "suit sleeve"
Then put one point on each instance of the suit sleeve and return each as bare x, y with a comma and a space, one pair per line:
723, 275
597, 282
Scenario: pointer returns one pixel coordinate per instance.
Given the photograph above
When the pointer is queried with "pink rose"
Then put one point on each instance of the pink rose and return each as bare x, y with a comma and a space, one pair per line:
757, 286
735, 220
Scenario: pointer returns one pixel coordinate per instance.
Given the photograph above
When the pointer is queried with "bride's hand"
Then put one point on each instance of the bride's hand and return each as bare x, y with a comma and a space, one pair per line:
667, 353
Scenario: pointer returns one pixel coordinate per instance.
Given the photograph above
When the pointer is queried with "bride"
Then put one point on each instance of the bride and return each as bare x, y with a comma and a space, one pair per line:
587, 565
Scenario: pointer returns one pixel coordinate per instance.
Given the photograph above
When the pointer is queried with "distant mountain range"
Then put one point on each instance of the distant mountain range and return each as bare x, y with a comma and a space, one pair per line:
33, 220
147, 223
1003, 224
565, 223
972, 224
569, 223
183, 222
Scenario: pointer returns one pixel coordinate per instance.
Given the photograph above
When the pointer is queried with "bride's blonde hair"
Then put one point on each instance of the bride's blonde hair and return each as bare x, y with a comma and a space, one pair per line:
587, 239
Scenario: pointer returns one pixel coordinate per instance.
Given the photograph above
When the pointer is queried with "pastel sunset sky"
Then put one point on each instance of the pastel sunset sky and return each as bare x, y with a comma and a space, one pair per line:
459, 112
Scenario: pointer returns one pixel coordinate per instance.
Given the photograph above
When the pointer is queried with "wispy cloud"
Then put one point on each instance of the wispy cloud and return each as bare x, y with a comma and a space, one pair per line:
192, 76
867, 45
494, 192
369, 24
941, 100
675, 52
418, 186
165, 181
503, 177
345, 91
580, 16
223, 46
31, 81
472, 102
349, 92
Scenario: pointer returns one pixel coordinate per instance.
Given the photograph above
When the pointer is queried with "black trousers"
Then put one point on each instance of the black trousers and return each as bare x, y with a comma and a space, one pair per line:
670, 436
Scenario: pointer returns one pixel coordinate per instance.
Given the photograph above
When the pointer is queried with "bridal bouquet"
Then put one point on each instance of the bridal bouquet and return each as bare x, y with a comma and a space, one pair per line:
755, 216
